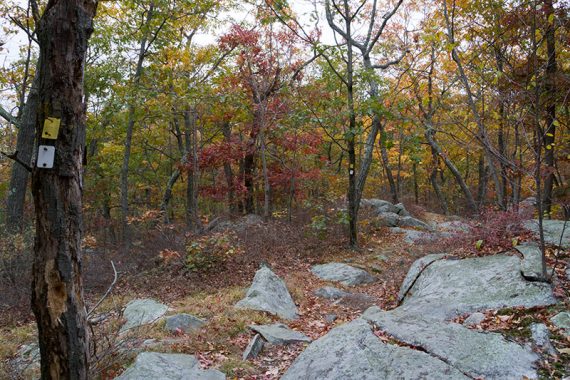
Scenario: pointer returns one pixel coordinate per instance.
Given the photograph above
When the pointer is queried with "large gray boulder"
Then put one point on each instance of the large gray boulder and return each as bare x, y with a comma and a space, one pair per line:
183, 323
531, 265
552, 231
448, 288
352, 351
268, 293
279, 334
154, 365
343, 273
141, 312
478, 354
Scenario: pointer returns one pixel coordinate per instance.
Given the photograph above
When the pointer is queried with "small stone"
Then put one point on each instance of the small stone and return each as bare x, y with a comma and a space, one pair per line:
253, 348
343, 273
474, 319
279, 334
330, 318
382, 257
541, 338
562, 321
183, 323
141, 312
330, 293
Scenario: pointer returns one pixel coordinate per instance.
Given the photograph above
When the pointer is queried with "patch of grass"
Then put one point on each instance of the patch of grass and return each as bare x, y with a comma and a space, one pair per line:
235, 368
10, 341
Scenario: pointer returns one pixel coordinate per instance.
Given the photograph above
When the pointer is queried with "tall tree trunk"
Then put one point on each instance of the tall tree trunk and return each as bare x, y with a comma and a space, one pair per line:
550, 99
249, 161
191, 146
351, 195
386, 164
482, 135
435, 184
24, 147
57, 292
228, 172
483, 180
266, 186
501, 133
129, 132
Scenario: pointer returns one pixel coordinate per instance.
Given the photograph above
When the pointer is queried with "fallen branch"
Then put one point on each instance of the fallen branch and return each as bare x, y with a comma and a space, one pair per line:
116, 276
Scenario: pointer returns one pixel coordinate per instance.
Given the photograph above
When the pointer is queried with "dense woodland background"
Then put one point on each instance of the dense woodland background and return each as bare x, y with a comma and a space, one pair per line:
200, 112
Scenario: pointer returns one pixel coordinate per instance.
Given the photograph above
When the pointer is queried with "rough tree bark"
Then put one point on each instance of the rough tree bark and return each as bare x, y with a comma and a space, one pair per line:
550, 100
57, 295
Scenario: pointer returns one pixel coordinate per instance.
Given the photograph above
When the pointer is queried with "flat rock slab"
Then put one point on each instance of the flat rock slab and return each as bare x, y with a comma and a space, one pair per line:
343, 273
183, 323
154, 365
268, 293
352, 351
141, 312
448, 288
417, 267
279, 334
478, 354
552, 231
531, 265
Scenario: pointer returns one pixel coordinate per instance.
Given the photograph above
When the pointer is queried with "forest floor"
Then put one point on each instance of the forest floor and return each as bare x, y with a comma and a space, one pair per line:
157, 267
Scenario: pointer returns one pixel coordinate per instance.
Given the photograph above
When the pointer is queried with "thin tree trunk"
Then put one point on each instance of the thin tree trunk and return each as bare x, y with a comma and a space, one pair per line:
482, 132
227, 131
435, 184
550, 92
386, 164
57, 291
129, 131
266, 186
16, 199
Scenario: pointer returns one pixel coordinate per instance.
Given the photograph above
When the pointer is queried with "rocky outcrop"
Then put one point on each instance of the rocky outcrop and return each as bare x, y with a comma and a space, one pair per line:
477, 354
448, 288
352, 351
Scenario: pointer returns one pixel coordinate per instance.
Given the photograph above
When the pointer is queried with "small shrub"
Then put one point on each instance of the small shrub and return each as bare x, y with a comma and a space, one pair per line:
319, 226
210, 251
